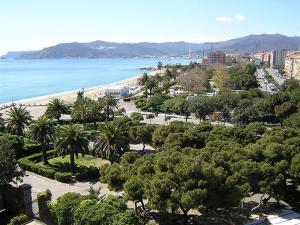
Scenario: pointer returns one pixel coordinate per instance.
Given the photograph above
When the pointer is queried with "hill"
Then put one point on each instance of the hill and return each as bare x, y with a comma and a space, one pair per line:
102, 49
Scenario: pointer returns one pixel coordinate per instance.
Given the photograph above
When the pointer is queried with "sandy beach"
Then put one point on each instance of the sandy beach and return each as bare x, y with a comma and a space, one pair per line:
37, 106
70, 96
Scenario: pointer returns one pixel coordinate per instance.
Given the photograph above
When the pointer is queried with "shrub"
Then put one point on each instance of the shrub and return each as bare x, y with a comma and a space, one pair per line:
112, 176
66, 206
19, 220
65, 177
29, 163
127, 99
86, 173
46, 212
126, 218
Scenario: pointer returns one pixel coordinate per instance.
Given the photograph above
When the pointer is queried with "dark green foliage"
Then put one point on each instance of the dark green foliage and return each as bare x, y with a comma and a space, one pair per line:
202, 106
16, 143
295, 166
8, 163
46, 211
66, 206
126, 218
112, 175
19, 220
56, 108
112, 140
18, 119
290, 85
136, 117
293, 120
65, 177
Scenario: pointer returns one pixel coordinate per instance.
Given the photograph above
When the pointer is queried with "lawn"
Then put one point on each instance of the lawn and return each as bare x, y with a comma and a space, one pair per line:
63, 164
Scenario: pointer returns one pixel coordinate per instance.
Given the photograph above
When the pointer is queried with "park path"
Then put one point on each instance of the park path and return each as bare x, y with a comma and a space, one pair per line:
40, 184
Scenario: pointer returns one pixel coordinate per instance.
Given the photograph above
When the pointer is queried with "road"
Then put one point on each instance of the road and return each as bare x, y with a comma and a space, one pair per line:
263, 83
276, 76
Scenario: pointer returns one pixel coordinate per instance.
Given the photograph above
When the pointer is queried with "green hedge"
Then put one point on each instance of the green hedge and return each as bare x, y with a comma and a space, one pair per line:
87, 173
19, 220
65, 177
30, 163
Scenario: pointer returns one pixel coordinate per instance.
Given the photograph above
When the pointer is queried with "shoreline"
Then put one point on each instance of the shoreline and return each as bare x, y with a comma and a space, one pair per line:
70, 96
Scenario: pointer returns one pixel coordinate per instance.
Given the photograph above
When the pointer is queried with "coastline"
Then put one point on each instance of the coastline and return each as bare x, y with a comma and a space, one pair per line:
70, 96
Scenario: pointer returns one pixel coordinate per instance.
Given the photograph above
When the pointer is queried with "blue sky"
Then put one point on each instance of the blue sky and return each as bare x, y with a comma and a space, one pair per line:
34, 24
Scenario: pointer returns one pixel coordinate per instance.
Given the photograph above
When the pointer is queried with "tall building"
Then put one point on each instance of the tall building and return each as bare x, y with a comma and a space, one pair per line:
277, 60
292, 65
216, 57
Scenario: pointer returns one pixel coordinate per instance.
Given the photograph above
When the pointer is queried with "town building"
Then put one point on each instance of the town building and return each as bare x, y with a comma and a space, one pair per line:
277, 60
118, 92
216, 57
264, 57
292, 65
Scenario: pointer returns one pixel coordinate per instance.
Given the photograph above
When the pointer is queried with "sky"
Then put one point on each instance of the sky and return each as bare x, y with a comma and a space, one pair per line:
35, 24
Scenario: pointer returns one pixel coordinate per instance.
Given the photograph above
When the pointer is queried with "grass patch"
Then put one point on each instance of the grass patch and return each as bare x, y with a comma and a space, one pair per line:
87, 168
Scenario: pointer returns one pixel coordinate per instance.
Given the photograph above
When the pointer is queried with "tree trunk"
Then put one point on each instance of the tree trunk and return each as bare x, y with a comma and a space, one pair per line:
72, 160
281, 122
185, 217
143, 151
57, 119
44, 152
107, 113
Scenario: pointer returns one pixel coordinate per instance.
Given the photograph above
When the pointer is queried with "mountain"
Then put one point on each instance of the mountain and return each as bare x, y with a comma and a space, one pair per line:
14, 55
102, 49
263, 42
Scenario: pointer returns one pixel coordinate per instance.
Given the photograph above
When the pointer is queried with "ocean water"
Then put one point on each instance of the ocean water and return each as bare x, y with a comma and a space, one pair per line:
22, 79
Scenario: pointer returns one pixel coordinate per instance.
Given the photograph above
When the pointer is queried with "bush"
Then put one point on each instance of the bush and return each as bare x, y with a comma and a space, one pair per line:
19, 220
65, 177
112, 176
46, 212
126, 218
127, 99
66, 206
27, 164
86, 173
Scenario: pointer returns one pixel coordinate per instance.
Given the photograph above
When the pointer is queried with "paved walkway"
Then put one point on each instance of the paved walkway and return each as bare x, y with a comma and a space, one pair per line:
40, 184
37, 111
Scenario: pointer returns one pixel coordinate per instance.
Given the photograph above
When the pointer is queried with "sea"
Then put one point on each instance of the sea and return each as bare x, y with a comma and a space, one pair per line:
24, 79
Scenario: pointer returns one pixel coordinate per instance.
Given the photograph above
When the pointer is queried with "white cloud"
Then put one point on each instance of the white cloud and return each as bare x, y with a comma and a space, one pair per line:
240, 17
223, 19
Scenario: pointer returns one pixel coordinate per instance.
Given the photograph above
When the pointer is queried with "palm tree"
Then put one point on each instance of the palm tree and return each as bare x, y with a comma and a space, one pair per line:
143, 79
159, 66
94, 111
17, 119
80, 110
110, 105
56, 108
72, 140
42, 131
112, 141
150, 85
